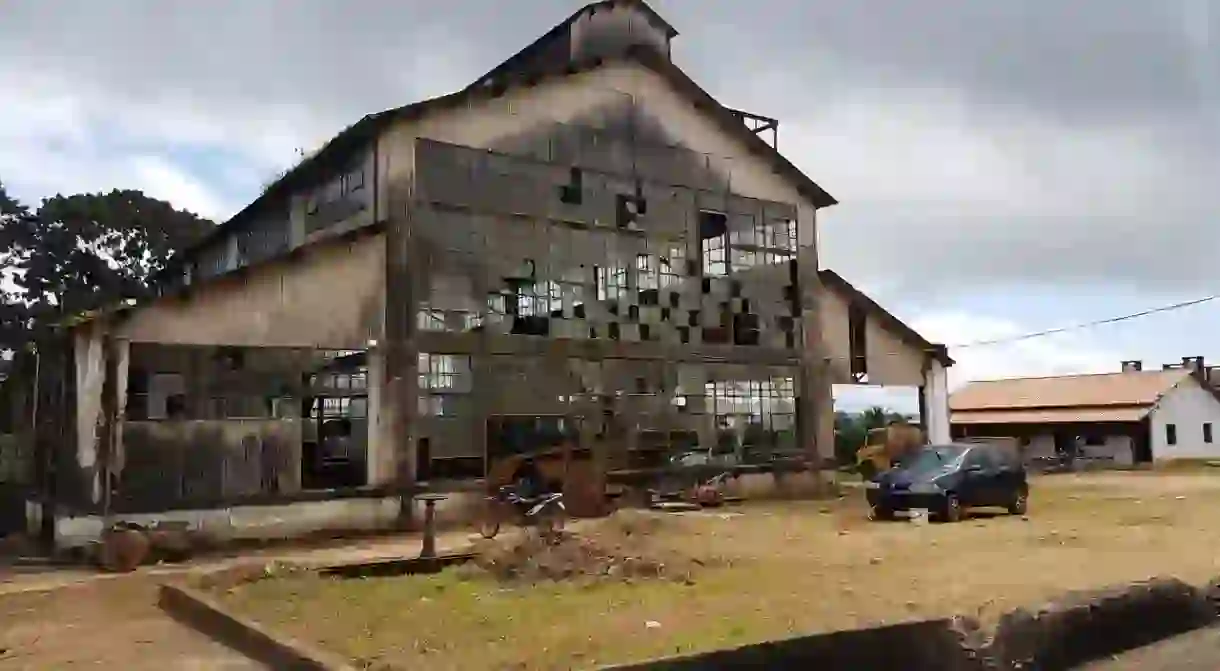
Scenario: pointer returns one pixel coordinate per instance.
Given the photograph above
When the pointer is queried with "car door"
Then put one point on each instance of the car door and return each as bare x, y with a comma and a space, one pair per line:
980, 474
1011, 476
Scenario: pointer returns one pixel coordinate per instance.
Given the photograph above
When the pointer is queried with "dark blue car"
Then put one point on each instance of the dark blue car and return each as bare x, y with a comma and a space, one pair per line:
947, 480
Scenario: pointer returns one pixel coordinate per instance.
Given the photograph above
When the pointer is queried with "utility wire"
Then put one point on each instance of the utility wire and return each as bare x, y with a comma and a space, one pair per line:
1076, 327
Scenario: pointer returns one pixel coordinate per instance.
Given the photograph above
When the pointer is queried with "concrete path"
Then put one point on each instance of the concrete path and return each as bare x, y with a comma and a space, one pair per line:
107, 624
339, 552
77, 618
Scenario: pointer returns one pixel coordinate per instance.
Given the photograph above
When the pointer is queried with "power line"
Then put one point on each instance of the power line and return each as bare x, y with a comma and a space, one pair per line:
1075, 327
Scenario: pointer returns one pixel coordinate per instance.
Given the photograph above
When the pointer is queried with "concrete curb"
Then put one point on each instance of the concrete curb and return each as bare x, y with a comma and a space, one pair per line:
1090, 625
926, 645
199, 612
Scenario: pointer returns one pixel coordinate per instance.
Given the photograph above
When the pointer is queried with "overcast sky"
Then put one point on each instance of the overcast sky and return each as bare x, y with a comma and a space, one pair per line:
1002, 166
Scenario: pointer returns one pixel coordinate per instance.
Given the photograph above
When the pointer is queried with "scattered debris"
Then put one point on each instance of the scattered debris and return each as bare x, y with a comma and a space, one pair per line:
625, 546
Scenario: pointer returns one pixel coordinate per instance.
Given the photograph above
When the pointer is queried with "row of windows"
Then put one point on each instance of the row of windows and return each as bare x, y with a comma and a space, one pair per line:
340, 188
1171, 433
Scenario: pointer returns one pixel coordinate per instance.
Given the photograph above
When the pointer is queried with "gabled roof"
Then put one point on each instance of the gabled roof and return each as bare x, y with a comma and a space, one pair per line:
343, 146
891, 323
1140, 389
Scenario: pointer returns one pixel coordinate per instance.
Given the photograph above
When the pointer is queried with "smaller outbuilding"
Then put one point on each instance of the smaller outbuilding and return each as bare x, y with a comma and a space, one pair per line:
1128, 417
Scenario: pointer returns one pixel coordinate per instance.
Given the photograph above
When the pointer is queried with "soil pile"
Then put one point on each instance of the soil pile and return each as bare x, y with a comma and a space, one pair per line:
628, 545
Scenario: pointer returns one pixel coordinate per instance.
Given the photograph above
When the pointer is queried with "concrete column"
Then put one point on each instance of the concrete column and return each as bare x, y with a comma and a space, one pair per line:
814, 391
936, 400
380, 462
88, 352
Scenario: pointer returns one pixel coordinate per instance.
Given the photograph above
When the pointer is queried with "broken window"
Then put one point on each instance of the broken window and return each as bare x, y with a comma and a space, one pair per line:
713, 239
539, 300
572, 193
611, 282
648, 272
857, 321
629, 209
354, 181
762, 244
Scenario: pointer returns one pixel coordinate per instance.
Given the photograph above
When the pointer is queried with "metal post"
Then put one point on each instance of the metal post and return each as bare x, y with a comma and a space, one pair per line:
428, 551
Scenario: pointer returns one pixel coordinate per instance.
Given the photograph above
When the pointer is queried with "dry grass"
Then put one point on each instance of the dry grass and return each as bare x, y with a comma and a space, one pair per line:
772, 570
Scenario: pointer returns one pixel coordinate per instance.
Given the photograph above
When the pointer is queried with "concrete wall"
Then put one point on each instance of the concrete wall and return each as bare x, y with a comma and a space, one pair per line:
332, 296
338, 202
1117, 447
520, 111
291, 520
936, 394
890, 360
535, 124
90, 374
1188, 406
169, 462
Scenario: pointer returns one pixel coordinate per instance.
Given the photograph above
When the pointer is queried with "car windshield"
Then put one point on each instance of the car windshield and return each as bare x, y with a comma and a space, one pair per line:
932, 459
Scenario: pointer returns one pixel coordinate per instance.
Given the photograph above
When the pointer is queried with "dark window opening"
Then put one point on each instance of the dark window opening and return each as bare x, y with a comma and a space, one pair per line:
175, 406
455, 468
628, 210
1207, 432
713, 242
355, 180
572, 192
1094, 440
232, 358
857, 334
1171, 434
423, 460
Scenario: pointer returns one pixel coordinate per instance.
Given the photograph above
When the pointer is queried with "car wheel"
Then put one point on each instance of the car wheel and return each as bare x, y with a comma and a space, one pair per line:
1020, 503
879, 514
953, 509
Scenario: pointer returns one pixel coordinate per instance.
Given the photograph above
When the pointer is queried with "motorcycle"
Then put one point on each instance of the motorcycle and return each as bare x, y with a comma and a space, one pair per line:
546, 512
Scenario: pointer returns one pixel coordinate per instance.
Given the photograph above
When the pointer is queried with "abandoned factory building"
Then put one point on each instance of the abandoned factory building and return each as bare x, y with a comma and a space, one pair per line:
581, 247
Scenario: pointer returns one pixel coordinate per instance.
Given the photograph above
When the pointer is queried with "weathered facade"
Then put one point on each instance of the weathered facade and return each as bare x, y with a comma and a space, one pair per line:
583, 242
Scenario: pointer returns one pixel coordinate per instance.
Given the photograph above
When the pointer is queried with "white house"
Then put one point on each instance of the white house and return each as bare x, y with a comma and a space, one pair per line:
1134, 416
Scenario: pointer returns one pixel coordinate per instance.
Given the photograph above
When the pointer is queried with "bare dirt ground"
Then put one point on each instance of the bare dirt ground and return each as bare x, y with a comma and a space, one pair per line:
76, 618
111, 624
1196, 651
760, 572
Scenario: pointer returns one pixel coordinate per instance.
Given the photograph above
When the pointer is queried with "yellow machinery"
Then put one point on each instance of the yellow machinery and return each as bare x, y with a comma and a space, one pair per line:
886, 445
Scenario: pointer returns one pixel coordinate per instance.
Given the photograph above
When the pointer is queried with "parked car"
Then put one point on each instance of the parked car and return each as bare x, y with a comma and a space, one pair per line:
947, 480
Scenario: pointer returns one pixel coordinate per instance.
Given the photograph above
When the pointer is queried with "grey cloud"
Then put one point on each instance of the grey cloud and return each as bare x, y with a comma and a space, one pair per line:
1018, 205
1075, 60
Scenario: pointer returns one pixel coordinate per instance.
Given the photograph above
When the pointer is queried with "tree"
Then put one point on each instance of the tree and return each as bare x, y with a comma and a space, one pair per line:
81, 252
12, 310
851, 429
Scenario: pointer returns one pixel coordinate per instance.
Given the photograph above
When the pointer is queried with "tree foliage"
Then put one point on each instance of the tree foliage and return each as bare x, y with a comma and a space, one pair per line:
851, 429
80, 252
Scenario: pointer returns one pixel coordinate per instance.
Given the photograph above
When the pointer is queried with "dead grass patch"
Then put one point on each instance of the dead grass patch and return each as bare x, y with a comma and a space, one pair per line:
768, 570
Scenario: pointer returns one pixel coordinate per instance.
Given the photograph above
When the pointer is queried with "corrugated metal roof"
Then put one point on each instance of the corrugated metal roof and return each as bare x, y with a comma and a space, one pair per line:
1142, 388
1051, 415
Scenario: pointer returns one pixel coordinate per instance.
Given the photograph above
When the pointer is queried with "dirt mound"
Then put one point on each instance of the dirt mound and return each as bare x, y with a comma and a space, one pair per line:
625, 546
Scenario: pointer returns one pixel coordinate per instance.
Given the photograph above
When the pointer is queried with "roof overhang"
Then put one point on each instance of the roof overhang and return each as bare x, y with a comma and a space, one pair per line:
1095, 415
893, 324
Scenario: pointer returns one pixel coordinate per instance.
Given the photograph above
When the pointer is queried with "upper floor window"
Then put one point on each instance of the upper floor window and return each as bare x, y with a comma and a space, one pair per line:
354, 181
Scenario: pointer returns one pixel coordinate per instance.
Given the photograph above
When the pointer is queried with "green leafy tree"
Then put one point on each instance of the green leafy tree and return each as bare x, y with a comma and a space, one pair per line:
81, 252
13, 312
851, 429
